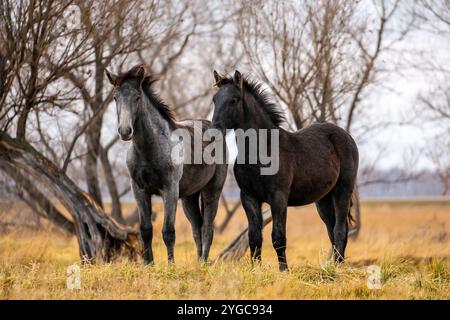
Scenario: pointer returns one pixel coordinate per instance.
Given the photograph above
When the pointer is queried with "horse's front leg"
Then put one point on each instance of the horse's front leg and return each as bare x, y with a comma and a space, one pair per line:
170, 198
252, 209
278, 207
144, 205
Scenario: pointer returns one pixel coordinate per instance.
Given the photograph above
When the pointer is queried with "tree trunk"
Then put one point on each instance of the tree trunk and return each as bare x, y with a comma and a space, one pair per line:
100, 238
37, 200
90, 165
116, 209
93, 134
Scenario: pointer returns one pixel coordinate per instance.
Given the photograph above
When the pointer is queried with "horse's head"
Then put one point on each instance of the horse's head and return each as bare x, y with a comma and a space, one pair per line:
228, 99
128, 97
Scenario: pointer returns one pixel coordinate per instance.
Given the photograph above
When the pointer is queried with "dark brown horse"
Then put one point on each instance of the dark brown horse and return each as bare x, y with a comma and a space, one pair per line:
316, 164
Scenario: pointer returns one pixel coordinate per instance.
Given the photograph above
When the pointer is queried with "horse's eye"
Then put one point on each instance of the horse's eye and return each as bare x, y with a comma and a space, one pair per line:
235, 100
115, 99
138, 98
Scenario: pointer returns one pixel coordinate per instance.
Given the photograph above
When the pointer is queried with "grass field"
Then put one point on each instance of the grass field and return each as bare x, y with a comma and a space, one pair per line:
410, 241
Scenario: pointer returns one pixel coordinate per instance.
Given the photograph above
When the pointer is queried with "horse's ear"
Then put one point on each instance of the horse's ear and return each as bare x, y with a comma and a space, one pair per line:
238, 80
217, 78
111, 77
140, 72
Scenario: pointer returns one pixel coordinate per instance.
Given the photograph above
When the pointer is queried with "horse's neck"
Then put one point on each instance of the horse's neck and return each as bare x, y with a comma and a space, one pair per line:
152, 131
255, 118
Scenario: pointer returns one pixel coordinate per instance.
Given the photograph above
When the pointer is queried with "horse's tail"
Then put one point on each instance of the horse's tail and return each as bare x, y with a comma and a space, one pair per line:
350, 218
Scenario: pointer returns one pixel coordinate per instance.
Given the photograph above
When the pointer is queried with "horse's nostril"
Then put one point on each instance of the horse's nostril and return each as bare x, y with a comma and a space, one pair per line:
125, 132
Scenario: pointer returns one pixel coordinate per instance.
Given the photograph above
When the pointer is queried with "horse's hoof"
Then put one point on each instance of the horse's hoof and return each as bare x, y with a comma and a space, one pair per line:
204, 263
340, 261
256, 260
284, 267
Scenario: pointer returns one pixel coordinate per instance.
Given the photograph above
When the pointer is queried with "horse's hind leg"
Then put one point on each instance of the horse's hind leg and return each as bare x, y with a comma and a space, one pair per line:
210, 204
325, 208
191, 208
341, 199
144, 204
210, 196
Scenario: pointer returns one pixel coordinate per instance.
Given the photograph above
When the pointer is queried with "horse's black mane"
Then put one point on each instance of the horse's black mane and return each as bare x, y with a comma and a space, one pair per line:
154, 98
261, 96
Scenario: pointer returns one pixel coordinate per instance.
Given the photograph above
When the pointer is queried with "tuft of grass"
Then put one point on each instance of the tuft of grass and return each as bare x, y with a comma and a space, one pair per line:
328, 272
419, 281
361, 292
389, 270
439, 272
433, 277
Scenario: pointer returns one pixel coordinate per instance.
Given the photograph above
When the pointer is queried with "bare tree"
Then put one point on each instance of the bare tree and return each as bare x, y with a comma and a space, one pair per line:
434, 103
29, 85
435, 108
317, 57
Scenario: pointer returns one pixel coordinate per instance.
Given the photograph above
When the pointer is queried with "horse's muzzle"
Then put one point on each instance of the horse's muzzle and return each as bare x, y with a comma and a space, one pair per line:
125, 133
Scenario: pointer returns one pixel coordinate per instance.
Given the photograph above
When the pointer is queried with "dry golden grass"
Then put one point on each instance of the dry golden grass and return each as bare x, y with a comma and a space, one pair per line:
408, 240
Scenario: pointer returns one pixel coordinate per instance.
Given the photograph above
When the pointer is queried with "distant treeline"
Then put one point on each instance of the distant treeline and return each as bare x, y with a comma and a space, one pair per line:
394, 183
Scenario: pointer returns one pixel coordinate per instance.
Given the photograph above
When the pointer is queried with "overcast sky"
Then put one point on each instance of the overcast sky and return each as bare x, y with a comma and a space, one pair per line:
401, 104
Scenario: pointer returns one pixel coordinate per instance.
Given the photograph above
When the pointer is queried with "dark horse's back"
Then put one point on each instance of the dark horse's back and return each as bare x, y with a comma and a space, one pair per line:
324, 157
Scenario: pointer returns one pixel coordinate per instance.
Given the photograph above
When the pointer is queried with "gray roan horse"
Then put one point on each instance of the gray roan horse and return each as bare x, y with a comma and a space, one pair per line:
148, 122
316, 164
